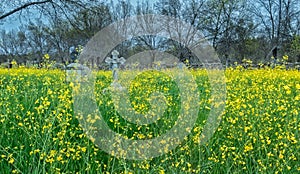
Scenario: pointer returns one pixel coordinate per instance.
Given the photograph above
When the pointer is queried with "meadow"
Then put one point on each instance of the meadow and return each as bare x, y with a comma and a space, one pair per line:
259, 131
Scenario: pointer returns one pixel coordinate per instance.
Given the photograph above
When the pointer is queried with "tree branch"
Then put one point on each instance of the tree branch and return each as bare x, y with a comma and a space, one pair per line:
23, 7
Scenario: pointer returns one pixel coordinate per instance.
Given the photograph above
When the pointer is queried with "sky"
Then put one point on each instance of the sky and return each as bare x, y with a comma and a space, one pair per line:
11, 23
18, 19
15, 21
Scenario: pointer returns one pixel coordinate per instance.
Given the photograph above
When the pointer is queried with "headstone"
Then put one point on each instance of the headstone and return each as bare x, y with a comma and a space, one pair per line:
9, 64
114, 63
180, 65
75, 72
73, 54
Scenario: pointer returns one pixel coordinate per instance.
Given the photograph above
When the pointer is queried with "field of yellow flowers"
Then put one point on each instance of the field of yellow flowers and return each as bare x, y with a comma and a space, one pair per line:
259, 131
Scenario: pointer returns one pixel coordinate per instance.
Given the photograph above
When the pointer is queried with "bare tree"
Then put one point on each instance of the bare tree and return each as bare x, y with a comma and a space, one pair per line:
38, 41
21, 7
278, 20
49, 8
14, 45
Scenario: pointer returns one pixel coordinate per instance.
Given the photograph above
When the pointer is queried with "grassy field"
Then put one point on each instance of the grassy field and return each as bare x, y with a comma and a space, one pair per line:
258, 133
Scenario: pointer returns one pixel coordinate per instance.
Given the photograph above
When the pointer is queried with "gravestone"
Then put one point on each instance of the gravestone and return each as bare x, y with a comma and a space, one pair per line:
114, 63
76, 72
73, 54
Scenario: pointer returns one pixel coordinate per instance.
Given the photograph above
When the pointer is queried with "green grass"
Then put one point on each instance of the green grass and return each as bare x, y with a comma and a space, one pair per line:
259, 131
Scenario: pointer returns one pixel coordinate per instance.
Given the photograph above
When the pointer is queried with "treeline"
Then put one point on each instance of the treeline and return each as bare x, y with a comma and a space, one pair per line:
258, 30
